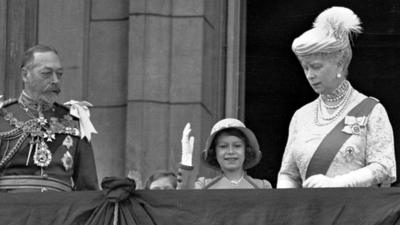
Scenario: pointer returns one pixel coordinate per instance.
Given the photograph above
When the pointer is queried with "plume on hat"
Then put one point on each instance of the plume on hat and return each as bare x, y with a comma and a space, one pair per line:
338, 21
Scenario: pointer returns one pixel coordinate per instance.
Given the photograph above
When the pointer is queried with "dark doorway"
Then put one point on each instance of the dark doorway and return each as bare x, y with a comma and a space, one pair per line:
276, 85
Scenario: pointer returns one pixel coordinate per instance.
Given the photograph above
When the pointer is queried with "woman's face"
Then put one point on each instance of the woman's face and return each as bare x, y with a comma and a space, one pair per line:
230, 151
321, 72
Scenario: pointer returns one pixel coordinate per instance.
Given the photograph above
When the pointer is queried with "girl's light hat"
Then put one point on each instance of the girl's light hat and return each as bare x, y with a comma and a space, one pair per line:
251, 160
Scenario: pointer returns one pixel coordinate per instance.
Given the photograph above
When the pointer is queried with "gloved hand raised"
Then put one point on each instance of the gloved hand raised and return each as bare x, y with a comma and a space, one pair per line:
187, 146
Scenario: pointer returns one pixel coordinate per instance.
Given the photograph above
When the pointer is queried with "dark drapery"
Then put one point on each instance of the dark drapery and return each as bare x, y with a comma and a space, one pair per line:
302, 206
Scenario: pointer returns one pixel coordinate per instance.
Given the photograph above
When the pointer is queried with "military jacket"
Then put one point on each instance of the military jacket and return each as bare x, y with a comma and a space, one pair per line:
25, 135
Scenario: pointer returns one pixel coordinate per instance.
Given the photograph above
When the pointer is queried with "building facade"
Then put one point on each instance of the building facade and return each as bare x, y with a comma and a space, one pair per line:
147, 66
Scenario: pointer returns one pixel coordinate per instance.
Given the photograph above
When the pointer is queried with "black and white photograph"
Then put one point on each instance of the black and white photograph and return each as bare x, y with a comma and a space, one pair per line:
167, 112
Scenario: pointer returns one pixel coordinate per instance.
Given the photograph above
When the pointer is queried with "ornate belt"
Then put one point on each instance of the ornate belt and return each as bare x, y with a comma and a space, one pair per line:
38, 183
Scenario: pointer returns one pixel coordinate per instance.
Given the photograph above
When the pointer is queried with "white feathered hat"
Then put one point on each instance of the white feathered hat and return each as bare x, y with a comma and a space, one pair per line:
331, 32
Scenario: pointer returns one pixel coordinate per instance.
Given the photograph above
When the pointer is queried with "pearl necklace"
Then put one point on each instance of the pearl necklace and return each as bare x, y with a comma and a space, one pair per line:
329, 119
345, 86
338, 93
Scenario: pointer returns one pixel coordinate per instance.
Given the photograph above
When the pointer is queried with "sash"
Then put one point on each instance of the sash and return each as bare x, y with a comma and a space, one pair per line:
330, 145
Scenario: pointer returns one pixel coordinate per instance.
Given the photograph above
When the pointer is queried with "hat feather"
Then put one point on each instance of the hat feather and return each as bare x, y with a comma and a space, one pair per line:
339, 21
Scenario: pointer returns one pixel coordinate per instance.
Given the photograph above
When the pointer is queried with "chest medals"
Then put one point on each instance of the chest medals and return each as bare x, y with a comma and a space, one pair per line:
41, 131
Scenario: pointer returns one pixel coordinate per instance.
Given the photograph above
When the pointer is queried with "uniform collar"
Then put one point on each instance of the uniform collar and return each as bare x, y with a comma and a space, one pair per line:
29, 103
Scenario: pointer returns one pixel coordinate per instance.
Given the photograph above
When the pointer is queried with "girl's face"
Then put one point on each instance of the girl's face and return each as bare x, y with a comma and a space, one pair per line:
230, 152
321, 72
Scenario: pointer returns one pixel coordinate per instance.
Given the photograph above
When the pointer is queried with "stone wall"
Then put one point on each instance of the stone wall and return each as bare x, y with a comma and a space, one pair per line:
147, 66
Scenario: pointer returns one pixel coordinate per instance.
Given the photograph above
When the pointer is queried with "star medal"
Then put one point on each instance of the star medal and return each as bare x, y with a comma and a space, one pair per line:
68, 142
42, 156
67, 161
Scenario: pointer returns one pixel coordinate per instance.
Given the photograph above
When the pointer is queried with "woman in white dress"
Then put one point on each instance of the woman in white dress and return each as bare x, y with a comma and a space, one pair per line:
343, 138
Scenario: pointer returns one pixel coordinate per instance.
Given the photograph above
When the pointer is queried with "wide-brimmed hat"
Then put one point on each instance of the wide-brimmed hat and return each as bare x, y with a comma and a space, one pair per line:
251, 159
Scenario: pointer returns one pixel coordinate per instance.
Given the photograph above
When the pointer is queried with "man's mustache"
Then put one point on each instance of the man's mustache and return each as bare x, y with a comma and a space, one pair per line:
54, 88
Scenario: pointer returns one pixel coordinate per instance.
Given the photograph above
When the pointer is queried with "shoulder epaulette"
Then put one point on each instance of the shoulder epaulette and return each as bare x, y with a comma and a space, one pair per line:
66, 109
8, 102
61, 106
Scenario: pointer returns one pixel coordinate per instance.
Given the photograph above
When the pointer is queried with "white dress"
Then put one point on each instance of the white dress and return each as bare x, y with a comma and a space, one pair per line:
372, 148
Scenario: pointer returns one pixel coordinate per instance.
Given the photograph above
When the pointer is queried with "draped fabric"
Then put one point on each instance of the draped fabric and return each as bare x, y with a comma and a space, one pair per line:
205, 207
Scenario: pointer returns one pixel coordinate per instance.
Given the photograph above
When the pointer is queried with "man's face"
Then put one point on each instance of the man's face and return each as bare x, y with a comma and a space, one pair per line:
42, 76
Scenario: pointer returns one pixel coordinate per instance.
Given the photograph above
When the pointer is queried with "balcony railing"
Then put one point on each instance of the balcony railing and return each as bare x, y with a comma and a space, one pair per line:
196, 207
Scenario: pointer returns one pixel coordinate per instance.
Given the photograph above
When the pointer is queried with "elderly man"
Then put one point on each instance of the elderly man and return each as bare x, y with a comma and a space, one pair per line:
45, 146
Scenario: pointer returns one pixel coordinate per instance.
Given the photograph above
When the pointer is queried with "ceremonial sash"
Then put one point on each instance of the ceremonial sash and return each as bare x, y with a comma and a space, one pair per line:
330, 145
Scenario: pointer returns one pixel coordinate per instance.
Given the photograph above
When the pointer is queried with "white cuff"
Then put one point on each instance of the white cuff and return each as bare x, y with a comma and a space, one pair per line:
186, 159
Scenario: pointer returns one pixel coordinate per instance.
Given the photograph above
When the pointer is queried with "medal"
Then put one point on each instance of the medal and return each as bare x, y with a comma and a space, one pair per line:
68, 142
349, 153
42, 156
67, 161
356, 129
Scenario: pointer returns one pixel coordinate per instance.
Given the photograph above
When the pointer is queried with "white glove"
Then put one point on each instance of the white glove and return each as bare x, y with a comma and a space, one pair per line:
321, 181
187, 146
363, 177
359, 178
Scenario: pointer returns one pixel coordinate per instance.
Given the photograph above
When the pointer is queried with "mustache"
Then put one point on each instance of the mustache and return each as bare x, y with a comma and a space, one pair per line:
54, 88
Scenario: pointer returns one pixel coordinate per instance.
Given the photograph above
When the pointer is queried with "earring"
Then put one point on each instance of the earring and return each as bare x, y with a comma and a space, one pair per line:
339, 75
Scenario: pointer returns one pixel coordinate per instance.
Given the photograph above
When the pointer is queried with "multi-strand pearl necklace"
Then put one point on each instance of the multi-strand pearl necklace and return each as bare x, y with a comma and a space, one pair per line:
322, 120
338, 93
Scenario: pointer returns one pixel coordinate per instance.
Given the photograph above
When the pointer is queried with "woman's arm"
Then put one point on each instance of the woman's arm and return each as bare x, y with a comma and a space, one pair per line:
289, 175
380, 157
285, 181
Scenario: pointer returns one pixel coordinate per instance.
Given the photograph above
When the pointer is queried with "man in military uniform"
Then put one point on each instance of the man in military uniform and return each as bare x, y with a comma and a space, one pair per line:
45, 145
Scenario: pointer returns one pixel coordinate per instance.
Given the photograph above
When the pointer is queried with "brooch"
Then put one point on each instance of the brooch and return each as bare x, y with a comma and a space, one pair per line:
354, 125
349, 153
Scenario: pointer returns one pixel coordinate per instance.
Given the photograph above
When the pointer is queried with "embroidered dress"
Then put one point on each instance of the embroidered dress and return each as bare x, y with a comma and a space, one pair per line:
369, 146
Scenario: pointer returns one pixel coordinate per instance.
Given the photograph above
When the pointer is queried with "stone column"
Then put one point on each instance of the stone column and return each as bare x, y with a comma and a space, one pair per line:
18, 31
176, 75
92, 38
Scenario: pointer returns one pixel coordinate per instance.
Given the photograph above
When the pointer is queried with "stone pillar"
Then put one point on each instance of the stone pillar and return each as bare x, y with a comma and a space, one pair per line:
148, 66
18, 29
108, 67
3, 45
92, 38
176, 75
